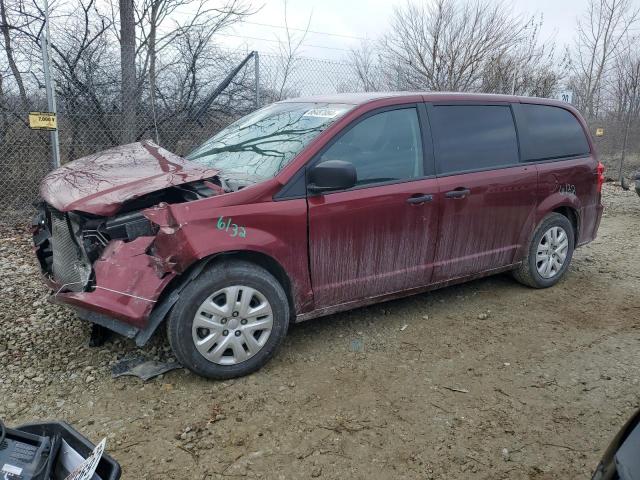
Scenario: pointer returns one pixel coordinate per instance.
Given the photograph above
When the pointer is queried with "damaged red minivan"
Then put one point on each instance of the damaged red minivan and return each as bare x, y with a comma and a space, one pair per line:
312, 206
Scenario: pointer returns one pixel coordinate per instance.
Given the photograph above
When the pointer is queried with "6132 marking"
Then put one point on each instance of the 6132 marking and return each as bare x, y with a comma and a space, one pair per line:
236, 231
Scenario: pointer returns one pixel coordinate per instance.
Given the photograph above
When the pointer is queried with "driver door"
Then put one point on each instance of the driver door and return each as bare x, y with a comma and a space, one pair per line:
378, 237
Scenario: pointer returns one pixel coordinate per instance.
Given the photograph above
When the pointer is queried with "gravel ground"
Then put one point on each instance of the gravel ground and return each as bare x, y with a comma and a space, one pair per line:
485, 380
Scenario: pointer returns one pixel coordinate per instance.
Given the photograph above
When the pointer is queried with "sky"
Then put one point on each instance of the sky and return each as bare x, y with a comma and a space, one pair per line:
350, 21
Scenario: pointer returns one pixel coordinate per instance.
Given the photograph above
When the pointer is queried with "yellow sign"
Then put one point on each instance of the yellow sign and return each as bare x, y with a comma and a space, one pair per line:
43, 121
599, 132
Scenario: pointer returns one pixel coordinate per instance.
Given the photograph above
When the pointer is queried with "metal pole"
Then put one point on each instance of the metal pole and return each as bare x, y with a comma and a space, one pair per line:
48, 81
256, 57
220, 88
624, 143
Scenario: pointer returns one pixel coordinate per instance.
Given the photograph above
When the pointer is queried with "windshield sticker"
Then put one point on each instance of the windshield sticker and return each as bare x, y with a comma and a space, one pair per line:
232, 229
323, 112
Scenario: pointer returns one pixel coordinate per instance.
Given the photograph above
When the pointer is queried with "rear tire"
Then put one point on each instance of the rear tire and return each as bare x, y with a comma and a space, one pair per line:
549, 253
229, 321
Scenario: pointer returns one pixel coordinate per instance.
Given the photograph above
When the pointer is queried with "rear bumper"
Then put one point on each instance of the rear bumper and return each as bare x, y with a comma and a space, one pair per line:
590, 222
599, 211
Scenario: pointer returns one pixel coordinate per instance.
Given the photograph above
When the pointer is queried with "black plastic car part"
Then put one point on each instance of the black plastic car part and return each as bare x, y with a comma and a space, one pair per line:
35, 452
108, 468
24, 456
332, 175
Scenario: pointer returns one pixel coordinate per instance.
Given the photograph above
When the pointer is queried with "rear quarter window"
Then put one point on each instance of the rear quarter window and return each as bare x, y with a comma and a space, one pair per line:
549, 133
473, 137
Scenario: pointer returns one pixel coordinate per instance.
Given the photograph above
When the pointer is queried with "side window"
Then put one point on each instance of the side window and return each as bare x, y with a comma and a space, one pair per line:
384, 147
551, 132
473, 137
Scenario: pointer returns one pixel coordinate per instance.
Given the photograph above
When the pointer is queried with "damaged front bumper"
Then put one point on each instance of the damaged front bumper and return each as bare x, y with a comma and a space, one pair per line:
113, 282
126, 283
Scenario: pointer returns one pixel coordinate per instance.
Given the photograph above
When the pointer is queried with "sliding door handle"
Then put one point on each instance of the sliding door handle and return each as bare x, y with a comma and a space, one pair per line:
458, 193
420, 199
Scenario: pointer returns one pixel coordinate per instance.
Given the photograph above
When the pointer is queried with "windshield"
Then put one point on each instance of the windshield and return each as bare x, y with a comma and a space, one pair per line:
263, 142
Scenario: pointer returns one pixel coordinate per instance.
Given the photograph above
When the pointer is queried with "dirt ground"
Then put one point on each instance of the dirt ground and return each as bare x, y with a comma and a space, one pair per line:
487, 380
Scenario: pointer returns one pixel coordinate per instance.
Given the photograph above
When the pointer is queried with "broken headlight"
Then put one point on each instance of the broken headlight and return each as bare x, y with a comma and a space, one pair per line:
129, 226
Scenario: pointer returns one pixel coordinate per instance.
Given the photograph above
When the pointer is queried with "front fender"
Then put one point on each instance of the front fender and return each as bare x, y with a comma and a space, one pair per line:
194, 231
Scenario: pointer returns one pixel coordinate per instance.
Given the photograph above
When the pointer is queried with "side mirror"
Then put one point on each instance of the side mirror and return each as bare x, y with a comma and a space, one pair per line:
332, 175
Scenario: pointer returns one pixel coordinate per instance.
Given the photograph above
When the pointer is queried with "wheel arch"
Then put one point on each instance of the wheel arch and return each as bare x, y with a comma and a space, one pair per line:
525, 271
570, 211
572, 214
263, 260
171, 293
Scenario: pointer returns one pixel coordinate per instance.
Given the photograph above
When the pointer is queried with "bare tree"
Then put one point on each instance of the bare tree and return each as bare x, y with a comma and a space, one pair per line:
626, 92
530, 68
289, 50
6, 27
4, 121
445, 45
153, 40
83, 65
601, 33
366, 67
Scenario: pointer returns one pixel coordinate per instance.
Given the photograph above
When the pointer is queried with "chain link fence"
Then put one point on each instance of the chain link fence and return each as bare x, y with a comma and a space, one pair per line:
90, 118
610, 146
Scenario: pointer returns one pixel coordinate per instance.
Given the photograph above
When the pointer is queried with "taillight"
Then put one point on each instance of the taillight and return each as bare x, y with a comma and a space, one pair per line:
600, 176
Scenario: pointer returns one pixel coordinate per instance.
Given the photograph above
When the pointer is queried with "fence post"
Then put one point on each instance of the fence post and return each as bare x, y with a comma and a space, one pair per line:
624, 145
128, 87
48, 81
256, 58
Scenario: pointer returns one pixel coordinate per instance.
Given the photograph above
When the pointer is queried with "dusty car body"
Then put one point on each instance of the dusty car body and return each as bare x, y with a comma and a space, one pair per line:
122, 233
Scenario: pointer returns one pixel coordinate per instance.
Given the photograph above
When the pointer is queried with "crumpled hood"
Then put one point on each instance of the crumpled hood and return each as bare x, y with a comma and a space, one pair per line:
101, 182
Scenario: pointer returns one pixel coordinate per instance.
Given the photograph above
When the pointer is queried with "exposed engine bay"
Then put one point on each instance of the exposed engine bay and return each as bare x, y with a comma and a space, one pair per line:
69, 243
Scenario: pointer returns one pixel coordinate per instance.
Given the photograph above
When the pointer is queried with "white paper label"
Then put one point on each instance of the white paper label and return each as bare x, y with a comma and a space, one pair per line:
12, 469
86, 469
323, 112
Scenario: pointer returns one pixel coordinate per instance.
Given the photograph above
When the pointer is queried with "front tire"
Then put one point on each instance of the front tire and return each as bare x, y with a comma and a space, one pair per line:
229, 321
549, 253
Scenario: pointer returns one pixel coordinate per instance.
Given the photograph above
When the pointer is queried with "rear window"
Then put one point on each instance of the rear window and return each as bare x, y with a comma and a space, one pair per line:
473, 137
551, 132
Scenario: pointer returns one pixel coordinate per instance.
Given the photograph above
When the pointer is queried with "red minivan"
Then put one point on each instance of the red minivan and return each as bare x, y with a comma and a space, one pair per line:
312, 206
